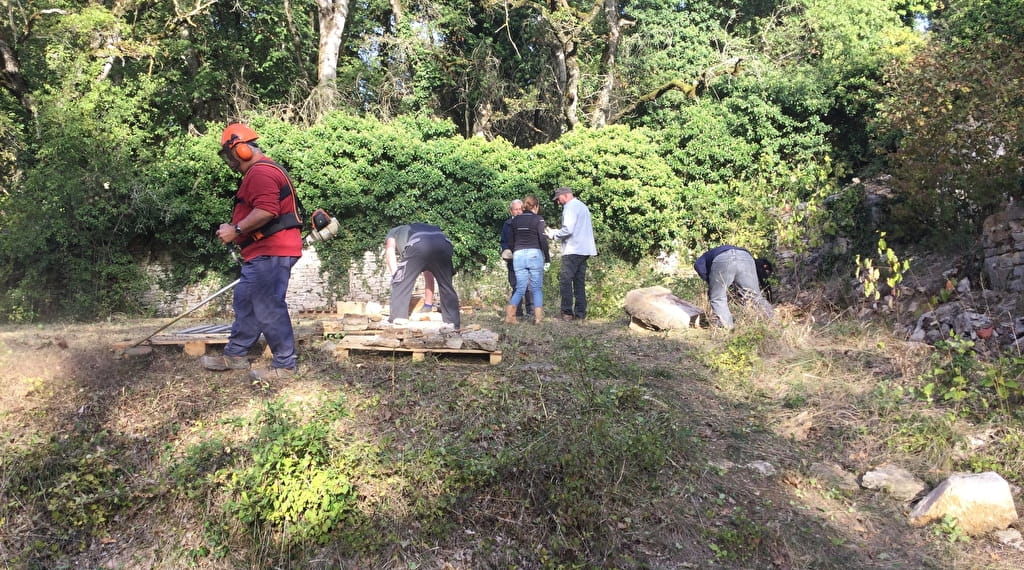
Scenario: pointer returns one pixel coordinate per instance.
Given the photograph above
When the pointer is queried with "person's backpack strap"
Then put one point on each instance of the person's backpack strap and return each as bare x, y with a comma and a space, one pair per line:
285, 221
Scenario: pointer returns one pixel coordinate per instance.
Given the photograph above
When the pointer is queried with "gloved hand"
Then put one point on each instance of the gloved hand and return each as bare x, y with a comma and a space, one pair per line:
547, 266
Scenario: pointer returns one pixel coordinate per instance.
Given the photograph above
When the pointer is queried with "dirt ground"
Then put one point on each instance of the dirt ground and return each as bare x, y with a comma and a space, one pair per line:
65, 381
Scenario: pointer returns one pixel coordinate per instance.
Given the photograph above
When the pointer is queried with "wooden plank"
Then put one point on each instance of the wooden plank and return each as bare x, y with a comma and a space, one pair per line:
196, 340
183, 338
344, 352
195, 348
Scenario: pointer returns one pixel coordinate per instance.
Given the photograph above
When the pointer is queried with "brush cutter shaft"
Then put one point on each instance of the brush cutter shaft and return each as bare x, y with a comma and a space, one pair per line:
325, 228
223, 290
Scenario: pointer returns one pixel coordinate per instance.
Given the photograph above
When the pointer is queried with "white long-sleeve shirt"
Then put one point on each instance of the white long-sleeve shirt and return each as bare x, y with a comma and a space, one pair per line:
577, 231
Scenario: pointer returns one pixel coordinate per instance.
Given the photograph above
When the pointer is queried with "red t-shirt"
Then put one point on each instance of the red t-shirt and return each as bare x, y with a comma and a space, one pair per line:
261, 188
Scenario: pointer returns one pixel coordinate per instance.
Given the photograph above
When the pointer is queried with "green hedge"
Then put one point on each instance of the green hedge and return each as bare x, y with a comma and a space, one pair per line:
705, 182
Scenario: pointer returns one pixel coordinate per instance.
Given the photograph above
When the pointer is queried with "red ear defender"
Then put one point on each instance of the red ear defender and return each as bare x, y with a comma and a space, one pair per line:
242, 151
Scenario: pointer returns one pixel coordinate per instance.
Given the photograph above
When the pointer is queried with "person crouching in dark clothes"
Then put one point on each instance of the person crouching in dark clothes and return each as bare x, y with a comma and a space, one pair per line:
726, 266
410, 250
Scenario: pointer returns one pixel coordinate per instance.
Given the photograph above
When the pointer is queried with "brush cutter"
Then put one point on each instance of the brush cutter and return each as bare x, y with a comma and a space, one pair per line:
325, 227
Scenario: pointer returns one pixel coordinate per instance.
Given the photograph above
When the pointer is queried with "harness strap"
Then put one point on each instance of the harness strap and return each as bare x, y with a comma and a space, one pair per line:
285, 221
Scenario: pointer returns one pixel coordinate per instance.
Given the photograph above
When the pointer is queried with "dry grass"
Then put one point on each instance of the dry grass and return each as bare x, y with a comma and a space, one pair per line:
589, 446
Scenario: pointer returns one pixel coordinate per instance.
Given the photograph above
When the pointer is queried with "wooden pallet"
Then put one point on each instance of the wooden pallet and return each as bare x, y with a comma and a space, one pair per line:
195, 340
343, 352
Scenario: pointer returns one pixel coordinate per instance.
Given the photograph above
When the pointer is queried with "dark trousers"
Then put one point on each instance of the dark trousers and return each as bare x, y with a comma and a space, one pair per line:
260, 308
527, 300
571, 285
433, 254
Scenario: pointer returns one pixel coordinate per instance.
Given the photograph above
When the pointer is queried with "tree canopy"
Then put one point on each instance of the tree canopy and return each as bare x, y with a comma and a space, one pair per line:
680, 123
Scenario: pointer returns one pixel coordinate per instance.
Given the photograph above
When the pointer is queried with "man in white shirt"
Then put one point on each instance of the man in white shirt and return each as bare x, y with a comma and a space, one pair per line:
577, 237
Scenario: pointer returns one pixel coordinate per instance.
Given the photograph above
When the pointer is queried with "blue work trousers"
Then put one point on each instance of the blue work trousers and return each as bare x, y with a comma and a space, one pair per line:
528, 298
260, 308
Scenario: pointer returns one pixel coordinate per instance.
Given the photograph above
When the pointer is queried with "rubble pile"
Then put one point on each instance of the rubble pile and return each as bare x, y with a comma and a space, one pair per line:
421, 331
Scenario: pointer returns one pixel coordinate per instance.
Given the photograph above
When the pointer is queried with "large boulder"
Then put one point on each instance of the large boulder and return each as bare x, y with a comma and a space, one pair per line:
657, 308
979, 502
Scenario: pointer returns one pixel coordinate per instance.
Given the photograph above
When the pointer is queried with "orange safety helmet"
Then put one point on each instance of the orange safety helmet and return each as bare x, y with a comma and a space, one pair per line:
232, 138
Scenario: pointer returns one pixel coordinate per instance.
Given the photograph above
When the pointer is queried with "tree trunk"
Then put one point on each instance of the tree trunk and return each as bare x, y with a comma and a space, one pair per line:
567, 28
602, 111
296, 41
332, 16
11, 77
570, 89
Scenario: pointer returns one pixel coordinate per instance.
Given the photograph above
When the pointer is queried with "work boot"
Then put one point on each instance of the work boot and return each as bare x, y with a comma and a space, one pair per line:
510, 314
271, 373
224, 362
538, 315
567, 317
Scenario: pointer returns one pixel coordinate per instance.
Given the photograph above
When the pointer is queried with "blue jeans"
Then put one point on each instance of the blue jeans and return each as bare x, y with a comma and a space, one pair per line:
572, 285
528, 298
529, 268
734, 267
260, 308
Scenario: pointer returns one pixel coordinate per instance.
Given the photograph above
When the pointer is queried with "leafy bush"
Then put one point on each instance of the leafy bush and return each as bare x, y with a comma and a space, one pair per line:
972, 385
951, 138
69, 229
296, 482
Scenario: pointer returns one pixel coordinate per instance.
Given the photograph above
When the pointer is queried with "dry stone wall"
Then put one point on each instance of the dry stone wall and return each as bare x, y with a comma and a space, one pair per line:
1003, 243
307, 289
990, 312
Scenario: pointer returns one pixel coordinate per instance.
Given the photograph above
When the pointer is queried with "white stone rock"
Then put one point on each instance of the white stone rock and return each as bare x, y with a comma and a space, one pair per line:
895, 480
979, 502
762, 467
657, 308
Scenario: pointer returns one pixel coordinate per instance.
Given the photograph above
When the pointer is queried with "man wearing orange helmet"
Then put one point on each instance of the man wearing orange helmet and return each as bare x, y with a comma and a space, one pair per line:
266, 226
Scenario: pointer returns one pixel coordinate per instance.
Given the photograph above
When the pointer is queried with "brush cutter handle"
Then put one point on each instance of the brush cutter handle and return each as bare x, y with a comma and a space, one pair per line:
223, 290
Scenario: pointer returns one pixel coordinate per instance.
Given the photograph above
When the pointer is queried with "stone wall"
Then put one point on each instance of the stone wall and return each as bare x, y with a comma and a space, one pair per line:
307, 289
1003, 242
366, 280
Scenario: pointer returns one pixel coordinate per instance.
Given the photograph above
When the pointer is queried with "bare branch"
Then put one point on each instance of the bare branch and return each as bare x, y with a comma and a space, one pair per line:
693, 88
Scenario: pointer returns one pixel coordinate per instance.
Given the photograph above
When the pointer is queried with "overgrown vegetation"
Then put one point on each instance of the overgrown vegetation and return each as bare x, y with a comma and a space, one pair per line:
743, 129
588, 446
680, 125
